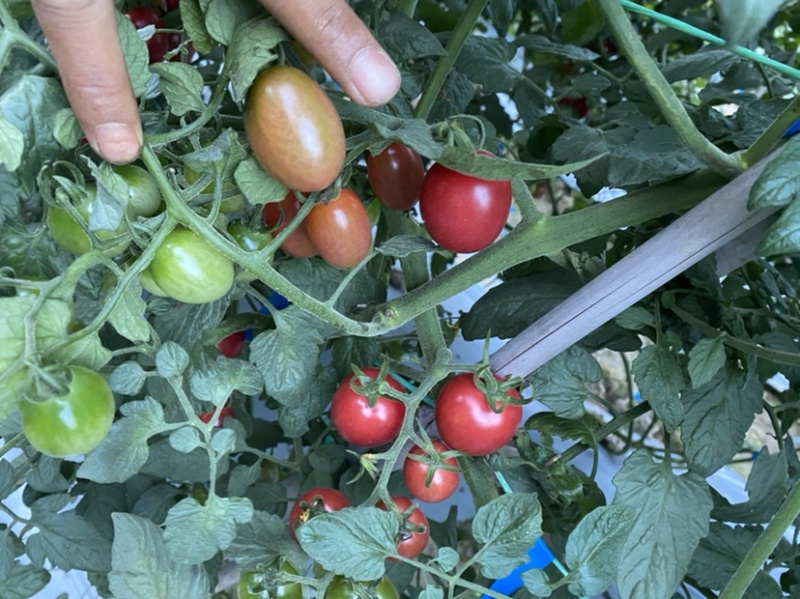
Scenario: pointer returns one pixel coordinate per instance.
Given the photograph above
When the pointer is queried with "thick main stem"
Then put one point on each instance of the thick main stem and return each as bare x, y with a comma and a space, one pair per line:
660, 90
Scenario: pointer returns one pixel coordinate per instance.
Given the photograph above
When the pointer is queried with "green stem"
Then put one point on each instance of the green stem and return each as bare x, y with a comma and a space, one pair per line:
762, 548
773, 355
773, 134
602, 432
660, 90
459, 35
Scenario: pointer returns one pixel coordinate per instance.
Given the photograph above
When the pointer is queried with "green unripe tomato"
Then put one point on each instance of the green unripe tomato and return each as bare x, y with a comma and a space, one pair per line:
149, 285
248, 240
145, 197
69, 234
189, 270
74, 423
342, 588
252, 585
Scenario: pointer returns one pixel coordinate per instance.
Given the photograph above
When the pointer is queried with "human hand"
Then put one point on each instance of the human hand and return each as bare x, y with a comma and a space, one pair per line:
83, 38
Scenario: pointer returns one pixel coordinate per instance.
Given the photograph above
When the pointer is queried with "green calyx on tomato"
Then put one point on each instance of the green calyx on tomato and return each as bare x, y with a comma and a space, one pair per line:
414, 531
343, 588
340, 230
189, 270
306, 150
425, 480
261, 583
72, 423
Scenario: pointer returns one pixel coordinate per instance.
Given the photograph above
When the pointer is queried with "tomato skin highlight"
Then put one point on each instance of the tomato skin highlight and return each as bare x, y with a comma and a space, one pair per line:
444, 482
189, 270
294, 129
357, 422
322, 498
71, 424
342, 588
466, 422
340, 230
462, 213
395, 176
298, 244
414, 542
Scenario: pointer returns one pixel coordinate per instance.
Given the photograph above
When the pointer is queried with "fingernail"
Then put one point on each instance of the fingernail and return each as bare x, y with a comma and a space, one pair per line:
117, 142
375, 77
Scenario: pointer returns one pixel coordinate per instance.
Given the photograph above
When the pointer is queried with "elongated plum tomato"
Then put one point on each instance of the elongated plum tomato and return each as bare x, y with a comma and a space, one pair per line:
293, 129
74, 423
340, 230
463, 213
280, 214
313, 502
467, 423
411, 542
189, 270
396, 176
415, 473
360, 424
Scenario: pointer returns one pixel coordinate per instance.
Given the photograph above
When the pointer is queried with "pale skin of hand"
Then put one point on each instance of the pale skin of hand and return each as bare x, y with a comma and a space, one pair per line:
83, 38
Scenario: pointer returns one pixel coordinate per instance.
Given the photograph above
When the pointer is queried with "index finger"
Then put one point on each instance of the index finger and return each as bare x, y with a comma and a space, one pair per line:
83, 38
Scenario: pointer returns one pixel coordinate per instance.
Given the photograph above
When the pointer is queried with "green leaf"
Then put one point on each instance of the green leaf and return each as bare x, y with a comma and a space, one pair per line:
18, 581
220, 158
561, 383
548, 424
12, 145
671, 517
223, 442
703, 63
195, 26
660, 380
506, 527
218, 381
171, 360
128, 378
779, 182
402, 246
705, 360
327, 457
66, 539
542, 45
195, 533
243, 477
509, 308
261, 540
718, 415
635, 318
316, 396
45, 476
181, 85
743, 19
720, 554
288, 355
431, 592
184, 323
7, 479
447, 558
125, 449
595, 546
224, 17
185, 439
165, 462
406, 39
537, 582
256, 184
783, 237
485, 60
252, 49
354, 542
128, 317
66, 128
134, 50
142, 569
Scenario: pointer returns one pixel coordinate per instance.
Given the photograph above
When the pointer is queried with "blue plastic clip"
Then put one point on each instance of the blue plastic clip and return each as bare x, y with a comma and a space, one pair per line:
540, 556
793, 129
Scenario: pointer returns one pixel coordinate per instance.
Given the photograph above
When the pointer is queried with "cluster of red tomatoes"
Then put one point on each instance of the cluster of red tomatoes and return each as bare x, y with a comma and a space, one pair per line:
161, 43
460, 212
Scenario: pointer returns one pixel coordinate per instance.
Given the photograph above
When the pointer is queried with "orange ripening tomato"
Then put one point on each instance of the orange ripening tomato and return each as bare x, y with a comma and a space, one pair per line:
340, 230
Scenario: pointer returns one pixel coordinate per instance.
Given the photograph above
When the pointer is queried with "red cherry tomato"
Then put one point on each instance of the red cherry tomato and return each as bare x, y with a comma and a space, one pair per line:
396, 176
313, 502
579, 105
223, 414
444, 482
412, 541
281, 214
340, 230
358, 423
231, 346
463, 213
466, 422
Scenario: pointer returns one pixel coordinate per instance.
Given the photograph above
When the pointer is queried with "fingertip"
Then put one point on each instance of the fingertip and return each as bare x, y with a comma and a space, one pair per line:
374, 76
118, 143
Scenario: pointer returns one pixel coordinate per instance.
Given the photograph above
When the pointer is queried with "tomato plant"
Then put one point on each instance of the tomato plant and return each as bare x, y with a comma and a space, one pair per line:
313, 502
187, 269
443, 482
467, 422
278, 215
463, 213
340, 230
342, 588
72, 423
362, 424
254, 584
306, 152
395, 175
414, 531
